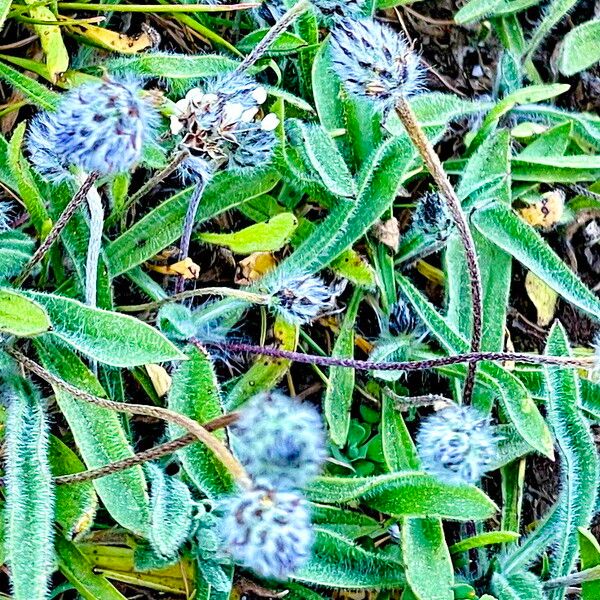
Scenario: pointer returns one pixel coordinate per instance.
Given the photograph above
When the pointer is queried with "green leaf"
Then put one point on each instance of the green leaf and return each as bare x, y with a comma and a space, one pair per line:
21, 316
100, 439
484, 539
556, 169
80, 573
4, 8
109, 337
39, 94
580, 48
171, 507
340, 387
504, 228
319, 155
16, 249
29, 495
406, 494
269, 236
589, 552
195, 393
398, 448
164, 224
286, 43
339, 563
76, 503
349, 524
580, 468
517, 586
429, 570
26, 186
173, 66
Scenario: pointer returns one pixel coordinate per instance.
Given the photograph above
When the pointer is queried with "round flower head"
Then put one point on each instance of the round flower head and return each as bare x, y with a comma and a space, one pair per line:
432, 216
280, 440
97, 127
268, 532
375, 62
456, 444
302, 300
221, 128
596, 365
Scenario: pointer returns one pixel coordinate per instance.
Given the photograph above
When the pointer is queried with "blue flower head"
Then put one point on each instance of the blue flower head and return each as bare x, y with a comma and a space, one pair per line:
97, 127
375, 62
433, 217
302, 300
280, 440
402, 319
456, 444
268, 531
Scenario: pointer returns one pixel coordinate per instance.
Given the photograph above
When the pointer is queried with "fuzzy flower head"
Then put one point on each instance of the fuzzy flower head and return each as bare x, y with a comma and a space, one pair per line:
456, 444
375, 62
5, 216
268, 532
221, 127
280, 440
402, 319
302, 300
97, 127
596, 364
432, 216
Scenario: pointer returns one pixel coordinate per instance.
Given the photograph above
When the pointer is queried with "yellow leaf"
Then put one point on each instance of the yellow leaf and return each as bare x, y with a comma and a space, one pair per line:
253, 267
161, 380
186, 268
543, 297
547, 212
57, 57
112, 40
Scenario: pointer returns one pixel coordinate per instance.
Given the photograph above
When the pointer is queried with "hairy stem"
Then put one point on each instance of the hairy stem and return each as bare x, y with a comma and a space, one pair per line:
591, 574
148, 455
155, 412
258, 51
188, 228
208, 291
434, 165
96, 224
148, 186
77, 200
417, 365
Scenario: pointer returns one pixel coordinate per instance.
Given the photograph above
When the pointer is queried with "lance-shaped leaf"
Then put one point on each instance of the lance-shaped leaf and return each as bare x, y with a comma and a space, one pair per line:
579, 465
100, 438
195, 393
109, 337
29, 494
21, 316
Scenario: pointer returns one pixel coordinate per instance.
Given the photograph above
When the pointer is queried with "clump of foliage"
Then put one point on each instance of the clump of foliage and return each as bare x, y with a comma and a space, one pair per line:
347, 411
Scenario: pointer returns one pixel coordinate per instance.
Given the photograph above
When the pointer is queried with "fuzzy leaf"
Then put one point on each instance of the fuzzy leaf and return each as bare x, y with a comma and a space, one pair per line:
406, 494
429, 570
580, 468
173, 66
589, 551
398, 448
484, 539
195, 394
338, 563
340, 388
504, 228
39, 94
269, 236
21, 316
171, 511
16, 249
29, 495
109, 337
100, 439
580, 48
518, 586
